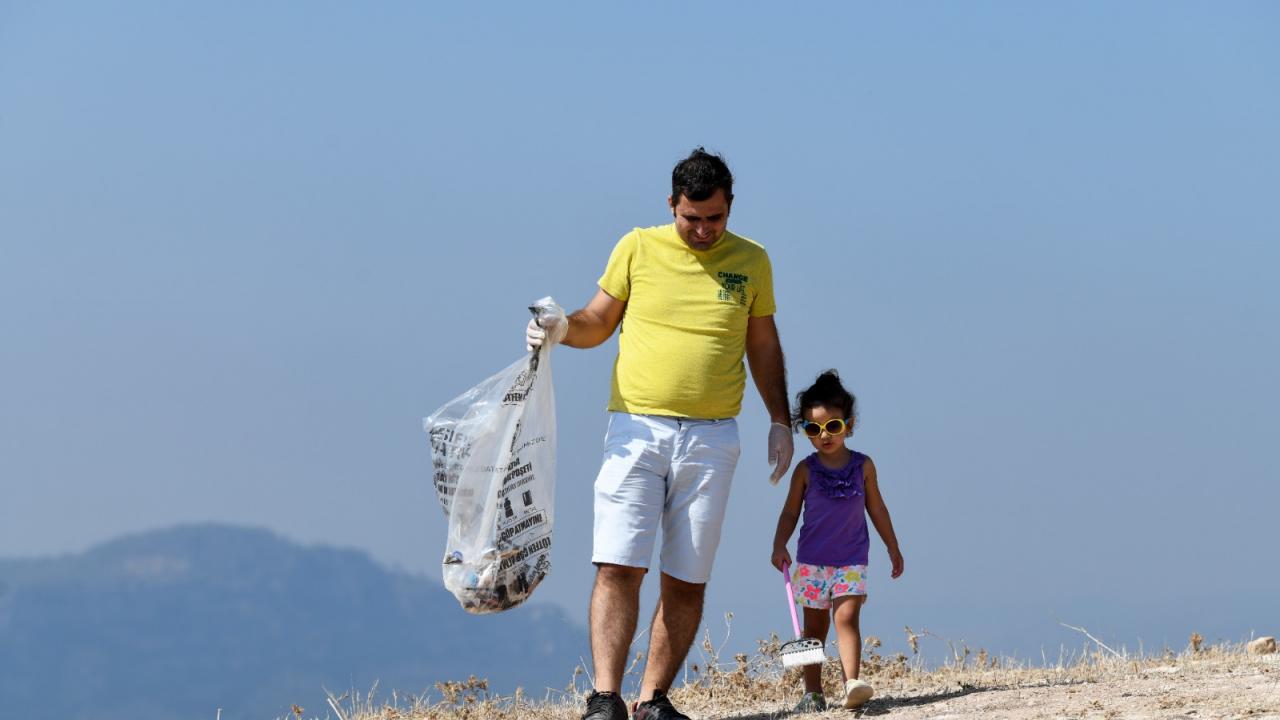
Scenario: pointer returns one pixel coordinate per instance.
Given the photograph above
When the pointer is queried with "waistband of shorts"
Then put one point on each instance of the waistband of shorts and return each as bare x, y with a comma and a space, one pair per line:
676, 419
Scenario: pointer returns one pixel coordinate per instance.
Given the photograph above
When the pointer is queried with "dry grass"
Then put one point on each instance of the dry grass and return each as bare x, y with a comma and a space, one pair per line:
1095, 681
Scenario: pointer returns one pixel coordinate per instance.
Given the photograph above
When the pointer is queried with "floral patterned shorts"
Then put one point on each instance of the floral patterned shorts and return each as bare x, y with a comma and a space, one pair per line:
817, 585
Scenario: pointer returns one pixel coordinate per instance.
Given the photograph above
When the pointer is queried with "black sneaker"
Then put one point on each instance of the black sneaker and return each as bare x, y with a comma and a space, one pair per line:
605, 706
659, 708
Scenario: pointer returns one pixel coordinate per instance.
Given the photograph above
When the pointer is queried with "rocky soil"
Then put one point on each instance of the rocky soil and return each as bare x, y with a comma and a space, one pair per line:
1215, 682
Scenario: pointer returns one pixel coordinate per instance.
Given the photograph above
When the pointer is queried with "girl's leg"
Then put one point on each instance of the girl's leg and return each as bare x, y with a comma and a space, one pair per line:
846, 610
816, 623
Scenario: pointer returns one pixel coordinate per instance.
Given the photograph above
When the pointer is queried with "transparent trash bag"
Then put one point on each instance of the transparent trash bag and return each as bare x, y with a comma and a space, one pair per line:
493, 453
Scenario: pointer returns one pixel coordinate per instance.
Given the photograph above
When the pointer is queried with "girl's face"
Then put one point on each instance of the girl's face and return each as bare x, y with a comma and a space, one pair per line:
825, 442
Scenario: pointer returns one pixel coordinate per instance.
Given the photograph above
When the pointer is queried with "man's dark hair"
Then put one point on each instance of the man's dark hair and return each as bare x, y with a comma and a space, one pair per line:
697, 177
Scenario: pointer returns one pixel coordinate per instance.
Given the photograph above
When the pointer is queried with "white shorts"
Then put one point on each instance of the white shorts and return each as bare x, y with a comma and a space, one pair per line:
673, 472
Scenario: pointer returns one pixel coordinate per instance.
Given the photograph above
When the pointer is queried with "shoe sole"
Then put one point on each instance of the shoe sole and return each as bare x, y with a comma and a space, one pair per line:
858, 696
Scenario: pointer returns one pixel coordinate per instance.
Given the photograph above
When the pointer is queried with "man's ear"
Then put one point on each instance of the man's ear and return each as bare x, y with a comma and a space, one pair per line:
671, 205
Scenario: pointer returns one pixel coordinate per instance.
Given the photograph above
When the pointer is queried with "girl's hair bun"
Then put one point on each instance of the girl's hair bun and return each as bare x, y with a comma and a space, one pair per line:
826, 390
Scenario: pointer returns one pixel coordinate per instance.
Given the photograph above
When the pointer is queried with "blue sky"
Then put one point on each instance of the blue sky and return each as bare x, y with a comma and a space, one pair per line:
244, 250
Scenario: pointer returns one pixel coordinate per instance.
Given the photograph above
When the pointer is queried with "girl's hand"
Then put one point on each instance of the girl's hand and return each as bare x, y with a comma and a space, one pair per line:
895, 556
781, 557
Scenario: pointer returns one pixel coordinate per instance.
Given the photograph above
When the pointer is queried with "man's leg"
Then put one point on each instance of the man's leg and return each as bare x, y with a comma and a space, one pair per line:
675, 624
697, 493
615, 605
629, 495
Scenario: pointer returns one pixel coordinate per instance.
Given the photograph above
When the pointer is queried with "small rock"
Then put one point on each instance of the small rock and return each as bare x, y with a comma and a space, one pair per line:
1262, 646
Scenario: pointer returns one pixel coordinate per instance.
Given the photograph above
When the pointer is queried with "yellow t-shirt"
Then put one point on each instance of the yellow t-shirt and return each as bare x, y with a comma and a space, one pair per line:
684, 331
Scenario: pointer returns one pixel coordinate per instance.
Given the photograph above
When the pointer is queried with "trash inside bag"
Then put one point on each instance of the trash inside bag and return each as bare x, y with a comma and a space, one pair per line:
493, 454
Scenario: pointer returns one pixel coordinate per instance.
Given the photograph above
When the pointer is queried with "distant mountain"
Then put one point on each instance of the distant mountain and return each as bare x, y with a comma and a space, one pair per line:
182, 622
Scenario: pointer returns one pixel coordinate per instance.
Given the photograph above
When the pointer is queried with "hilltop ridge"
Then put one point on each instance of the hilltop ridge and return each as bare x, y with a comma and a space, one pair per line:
186, 620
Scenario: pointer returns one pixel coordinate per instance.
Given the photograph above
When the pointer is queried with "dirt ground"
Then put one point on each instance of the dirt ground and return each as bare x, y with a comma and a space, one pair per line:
1224, 687
1215, 683
1219, 682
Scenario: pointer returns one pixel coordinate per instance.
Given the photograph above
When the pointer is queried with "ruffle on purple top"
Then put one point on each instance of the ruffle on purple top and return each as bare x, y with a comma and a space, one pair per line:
845, 482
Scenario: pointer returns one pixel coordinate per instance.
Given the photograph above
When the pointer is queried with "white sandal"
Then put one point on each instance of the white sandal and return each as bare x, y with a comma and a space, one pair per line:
857, 692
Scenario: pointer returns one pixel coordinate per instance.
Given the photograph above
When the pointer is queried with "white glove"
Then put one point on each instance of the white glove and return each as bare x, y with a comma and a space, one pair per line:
781, 448
549, 324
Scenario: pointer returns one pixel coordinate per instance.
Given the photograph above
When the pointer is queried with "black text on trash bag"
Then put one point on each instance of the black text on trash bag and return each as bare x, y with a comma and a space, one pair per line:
493, 456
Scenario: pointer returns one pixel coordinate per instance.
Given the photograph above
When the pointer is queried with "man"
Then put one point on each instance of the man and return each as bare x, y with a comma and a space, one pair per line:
692, 298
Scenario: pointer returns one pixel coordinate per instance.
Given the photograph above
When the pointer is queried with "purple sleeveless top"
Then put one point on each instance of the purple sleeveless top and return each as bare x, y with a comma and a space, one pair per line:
835, 515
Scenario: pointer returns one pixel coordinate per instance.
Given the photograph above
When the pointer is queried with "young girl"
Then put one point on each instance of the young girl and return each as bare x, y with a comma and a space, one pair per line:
837, 489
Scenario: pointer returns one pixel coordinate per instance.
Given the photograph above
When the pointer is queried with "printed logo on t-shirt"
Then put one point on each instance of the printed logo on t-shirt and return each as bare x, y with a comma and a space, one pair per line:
733, 287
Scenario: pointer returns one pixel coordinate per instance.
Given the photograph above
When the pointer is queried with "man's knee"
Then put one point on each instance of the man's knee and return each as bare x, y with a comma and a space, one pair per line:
676, 590
621, 577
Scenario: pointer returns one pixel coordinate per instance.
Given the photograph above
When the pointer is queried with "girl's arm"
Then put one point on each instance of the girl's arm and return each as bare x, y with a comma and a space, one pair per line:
880, 515
789, 516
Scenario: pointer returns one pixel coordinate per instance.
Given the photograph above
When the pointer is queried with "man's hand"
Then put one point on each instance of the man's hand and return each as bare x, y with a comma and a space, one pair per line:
549, 325
781, 448
895, 557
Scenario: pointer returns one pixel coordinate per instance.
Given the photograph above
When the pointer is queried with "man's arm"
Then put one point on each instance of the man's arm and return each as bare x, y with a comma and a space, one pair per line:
764, 355
594, 323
